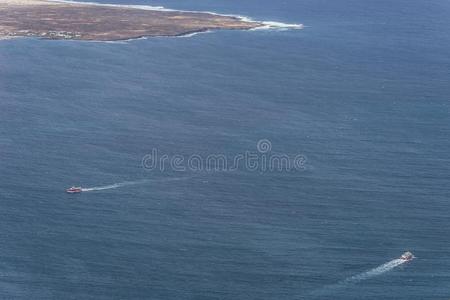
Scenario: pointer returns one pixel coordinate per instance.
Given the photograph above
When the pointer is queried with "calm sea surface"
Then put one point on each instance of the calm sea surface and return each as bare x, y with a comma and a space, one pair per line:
362, 92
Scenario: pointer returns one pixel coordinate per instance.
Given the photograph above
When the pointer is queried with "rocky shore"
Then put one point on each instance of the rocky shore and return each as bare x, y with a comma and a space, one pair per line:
79, 21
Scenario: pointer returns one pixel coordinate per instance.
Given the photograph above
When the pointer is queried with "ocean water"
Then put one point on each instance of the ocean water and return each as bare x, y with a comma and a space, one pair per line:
362, 92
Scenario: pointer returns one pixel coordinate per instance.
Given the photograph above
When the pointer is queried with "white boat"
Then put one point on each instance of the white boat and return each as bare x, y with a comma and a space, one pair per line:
74, 190
407, 256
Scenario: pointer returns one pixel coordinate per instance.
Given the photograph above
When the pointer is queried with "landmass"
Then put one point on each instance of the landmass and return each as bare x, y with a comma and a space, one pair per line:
86, 21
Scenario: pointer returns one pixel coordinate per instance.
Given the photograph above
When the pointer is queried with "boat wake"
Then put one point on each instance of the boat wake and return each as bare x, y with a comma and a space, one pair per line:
376, 271
111, 186
384, 268
130, 183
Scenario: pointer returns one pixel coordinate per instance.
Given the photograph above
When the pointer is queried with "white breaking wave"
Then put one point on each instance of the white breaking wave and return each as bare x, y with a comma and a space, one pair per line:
376, 271
144, 7
278, 26
267, 25
188, 35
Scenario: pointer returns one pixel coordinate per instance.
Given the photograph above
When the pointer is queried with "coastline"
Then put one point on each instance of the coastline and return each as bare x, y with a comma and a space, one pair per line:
93, 21
263, 25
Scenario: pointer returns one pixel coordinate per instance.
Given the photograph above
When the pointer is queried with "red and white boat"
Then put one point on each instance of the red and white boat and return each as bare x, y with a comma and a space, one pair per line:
407, 256
74, 190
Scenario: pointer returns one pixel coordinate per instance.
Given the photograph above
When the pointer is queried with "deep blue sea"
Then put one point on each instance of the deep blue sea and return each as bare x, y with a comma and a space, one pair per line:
362, 92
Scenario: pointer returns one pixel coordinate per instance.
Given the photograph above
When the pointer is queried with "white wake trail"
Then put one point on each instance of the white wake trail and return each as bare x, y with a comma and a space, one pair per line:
128, 183
110, 186
376, 271
384, 268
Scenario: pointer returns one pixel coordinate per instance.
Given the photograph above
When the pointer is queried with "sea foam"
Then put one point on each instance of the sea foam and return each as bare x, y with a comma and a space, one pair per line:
376, 271
382, 269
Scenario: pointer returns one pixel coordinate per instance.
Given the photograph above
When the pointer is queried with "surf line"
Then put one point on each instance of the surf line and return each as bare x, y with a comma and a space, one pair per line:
266, 25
